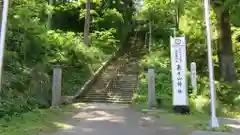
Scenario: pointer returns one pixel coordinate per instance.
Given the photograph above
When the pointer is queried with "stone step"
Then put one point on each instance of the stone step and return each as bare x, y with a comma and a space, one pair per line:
109, 98
123, 85
107, 76
110, 94
121, 97
125, 81
130, 83
99, 85
93, 98
123, 72
122, 93
126, 90
112, 90
106, 100
99, 88
102, 81
107, 73
118, 88
96, 94
121, 89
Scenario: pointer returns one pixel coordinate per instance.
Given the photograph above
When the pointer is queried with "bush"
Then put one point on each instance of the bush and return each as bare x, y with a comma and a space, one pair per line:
33, 80
32, 50
104, 40
161, 66
27, 73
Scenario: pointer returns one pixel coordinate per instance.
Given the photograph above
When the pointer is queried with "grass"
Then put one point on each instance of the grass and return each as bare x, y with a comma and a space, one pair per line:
186, 123
192, 121
41, 120
230, 113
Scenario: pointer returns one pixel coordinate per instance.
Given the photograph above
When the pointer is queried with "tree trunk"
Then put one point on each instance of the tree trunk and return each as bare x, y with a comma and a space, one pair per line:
150, 37
177, 16
226, 57
49, 20
87, 23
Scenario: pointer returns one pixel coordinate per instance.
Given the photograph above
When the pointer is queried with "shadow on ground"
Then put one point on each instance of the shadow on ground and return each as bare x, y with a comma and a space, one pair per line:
113, 119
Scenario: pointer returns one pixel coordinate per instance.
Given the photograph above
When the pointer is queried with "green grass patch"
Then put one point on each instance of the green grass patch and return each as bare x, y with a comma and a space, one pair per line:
40, 120
190, 122
230, 113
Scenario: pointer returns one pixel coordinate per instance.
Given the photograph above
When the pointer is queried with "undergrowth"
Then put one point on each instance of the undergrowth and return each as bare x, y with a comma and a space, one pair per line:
37, 121
159, 59
27, 82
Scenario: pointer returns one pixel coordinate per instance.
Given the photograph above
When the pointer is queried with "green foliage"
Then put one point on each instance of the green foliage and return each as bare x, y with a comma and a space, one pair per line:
161, 64
110, 19
227, 94
104, 40
32, 51
106, 14
191, 122
38, 120
30, 86
155, 11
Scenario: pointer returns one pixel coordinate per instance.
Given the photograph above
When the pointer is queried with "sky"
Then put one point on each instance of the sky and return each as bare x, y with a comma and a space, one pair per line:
139, 4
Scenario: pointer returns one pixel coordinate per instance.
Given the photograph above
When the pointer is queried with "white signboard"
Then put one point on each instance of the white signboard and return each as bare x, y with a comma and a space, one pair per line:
193, 76
151, 88
179, 67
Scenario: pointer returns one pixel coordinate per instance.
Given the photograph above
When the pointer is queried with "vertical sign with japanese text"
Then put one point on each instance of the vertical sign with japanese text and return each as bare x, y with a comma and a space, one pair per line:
179, 67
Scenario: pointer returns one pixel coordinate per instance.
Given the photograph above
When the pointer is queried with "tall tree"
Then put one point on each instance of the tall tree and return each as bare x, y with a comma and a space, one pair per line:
50, 3
87, 22
225, 54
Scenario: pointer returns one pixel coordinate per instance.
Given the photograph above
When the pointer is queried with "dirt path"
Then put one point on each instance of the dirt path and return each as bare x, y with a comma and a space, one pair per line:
111, 119
232, 122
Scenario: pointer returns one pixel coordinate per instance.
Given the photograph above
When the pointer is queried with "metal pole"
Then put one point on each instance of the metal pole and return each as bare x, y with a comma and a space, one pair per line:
3, 35
214, 121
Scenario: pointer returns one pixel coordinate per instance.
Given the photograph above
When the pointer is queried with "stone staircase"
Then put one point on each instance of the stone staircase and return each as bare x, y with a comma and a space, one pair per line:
118, 81
123, 86
98, 92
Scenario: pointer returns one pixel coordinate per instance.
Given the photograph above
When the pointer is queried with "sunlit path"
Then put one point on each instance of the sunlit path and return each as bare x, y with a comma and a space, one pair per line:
113, 119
